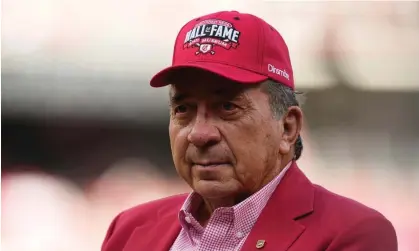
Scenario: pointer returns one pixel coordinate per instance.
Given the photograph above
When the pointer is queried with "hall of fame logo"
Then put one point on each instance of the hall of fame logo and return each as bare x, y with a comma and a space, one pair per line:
210, 33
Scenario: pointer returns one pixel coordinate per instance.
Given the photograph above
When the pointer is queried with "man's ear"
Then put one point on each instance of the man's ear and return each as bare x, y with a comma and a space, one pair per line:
292, 121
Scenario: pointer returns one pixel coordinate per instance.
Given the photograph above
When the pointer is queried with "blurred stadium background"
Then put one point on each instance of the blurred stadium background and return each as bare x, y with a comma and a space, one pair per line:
84, 136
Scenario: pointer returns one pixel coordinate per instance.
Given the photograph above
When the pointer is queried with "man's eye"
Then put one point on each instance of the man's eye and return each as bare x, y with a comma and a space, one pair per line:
181, 109
228, 106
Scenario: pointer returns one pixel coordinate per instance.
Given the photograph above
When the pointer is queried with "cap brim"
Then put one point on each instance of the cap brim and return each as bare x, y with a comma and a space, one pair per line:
233, 73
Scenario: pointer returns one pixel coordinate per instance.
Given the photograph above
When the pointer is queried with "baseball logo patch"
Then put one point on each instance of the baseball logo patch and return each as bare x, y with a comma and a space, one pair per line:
210, 33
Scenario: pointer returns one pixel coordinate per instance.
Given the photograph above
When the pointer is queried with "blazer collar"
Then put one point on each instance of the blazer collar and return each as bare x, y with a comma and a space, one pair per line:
158, 233
278, 224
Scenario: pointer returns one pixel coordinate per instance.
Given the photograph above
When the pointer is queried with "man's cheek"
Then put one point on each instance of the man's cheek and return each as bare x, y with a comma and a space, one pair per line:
243, 174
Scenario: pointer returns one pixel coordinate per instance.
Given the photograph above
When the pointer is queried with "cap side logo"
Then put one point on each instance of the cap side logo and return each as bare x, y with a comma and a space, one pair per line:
277, 71
210, 33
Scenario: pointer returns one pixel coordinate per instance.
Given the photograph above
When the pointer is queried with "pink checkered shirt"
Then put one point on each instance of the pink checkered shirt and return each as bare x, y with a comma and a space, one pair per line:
228, 227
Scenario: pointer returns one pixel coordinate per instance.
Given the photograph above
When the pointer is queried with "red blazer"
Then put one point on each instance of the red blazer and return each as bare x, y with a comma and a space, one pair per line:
300, 216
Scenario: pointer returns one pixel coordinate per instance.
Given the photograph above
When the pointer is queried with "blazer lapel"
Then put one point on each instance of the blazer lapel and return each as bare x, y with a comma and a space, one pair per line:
157, 234
277, 226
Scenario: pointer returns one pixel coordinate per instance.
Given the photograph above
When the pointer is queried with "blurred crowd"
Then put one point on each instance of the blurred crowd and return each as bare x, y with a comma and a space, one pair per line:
43, 212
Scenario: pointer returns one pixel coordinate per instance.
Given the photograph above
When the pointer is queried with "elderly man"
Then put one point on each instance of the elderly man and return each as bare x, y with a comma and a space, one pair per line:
235, 137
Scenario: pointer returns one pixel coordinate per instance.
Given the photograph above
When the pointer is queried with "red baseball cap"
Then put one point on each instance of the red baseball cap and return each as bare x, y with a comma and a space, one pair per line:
238, 46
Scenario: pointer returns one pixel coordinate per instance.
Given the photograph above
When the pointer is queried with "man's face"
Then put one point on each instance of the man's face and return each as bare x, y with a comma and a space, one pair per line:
225, 141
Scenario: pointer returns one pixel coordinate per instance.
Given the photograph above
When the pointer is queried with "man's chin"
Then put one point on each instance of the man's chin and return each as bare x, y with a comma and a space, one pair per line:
214, 189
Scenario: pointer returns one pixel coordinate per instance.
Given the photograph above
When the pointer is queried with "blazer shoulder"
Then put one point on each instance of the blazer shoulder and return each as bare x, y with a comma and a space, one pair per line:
125, 222
353, 225
329, 201
343, 212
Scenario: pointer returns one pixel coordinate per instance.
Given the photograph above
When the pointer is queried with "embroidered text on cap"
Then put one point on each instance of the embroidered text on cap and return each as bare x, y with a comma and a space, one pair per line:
210, 33
279, 72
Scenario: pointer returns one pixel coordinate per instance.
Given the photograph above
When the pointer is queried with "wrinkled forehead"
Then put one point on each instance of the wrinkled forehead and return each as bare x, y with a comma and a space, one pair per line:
199, 83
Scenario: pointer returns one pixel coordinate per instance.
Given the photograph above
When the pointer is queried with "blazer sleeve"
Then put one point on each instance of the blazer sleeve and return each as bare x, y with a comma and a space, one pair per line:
109, 233
372, 234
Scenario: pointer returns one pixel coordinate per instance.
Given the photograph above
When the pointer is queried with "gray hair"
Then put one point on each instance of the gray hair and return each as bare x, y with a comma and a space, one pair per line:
281, 97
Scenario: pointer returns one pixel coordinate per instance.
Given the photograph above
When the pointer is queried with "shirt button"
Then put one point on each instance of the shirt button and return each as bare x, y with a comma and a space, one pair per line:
187, 219
239, 235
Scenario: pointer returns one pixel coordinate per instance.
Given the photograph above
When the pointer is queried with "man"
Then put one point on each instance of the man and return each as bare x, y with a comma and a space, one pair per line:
235, 137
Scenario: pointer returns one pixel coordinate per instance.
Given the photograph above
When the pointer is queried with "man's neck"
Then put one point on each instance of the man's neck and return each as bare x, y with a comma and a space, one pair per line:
208, 206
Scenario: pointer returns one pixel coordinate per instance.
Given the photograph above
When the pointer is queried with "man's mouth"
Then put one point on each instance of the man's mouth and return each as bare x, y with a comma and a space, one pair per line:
210, 164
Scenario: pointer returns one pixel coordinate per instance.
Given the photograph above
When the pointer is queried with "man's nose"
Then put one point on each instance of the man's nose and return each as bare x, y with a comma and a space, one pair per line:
204, 133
